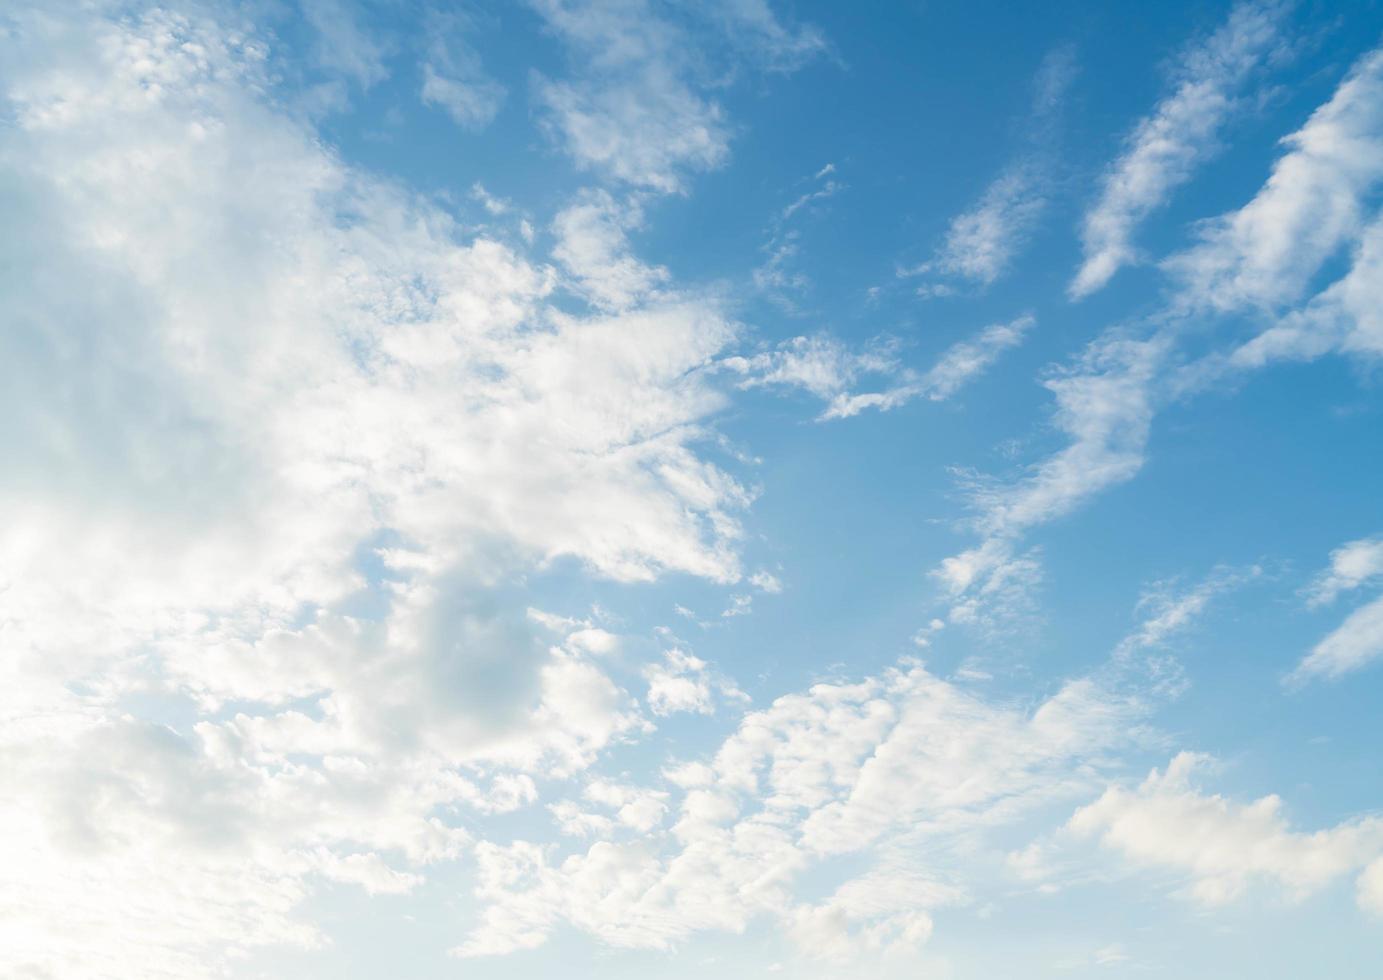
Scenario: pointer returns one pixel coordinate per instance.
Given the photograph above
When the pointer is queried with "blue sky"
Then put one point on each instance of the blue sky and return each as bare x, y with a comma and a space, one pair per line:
631, 488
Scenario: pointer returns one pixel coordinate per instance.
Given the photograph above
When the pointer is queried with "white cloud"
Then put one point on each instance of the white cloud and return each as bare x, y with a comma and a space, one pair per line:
289, 390
981, 242
472, 103
1358, 641
639, 809
820, 365
990, 586
829, 189
680, 684
343, 44
1266, 253
1370, 889
826, 368
1170, 610
1111, 955
775, 275
645, 139
1105, 405
494, 205
876, 769
454, 79
1165, 147
766, 582
1352, 564
630, 808
592, 247
1354, 644
634, 109
1343, 317
753, 27
1223, 846
1262, 255
369, 871
684, 682
878, 912
959, 364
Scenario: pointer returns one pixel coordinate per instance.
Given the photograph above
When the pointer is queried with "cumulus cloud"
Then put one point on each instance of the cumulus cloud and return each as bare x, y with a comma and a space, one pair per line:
871, 769
289, 455
685, 682
1223, 847
878, 912
1164, 149
1370, 888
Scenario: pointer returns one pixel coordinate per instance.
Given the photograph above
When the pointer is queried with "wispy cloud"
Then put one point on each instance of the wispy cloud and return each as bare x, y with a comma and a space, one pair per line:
1351, 565
1266, 253
635, 109
830, 370
776, 276
1170, 609
981, 243
1164, 149
820, 365
1355, 643
828, 189
454, 79
1261, 255
1358, 641
958, 365
344, 45
1105, 403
